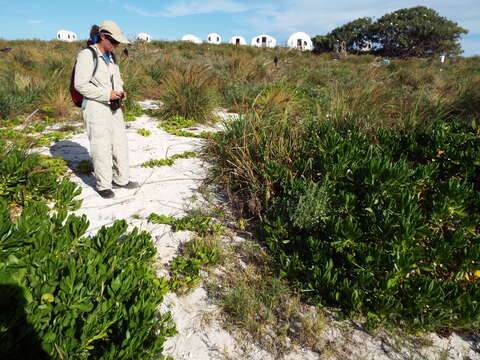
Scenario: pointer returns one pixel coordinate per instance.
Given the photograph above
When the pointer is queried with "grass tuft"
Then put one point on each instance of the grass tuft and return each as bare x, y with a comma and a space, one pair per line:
189, 93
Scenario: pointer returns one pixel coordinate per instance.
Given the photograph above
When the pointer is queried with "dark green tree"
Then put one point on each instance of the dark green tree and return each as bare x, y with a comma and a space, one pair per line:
356, 34
418, 31
321, 44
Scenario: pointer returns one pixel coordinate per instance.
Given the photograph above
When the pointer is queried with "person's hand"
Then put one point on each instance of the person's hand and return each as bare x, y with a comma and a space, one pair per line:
115, 95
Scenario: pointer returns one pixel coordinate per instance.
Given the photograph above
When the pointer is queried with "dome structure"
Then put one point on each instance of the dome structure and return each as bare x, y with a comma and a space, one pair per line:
192, 38
65, 35
214, 38
300, 41
237, 40
366, 46
264, 41
144, 37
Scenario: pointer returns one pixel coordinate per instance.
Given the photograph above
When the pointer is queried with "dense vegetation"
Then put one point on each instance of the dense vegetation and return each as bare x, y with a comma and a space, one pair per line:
363, 178
384, 225
417, 31
64, 294
371, 202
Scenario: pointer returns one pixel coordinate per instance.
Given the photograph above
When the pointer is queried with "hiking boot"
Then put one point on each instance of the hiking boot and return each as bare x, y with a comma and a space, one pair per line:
129, 185
106, 194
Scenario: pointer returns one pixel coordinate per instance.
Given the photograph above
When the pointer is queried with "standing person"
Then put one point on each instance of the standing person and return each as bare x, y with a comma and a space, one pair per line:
101, 85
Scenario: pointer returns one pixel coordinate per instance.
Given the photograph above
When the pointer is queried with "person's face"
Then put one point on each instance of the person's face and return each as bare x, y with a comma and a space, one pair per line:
109, 43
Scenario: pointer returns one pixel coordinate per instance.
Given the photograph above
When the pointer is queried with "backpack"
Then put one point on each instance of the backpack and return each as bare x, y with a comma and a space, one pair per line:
77, 98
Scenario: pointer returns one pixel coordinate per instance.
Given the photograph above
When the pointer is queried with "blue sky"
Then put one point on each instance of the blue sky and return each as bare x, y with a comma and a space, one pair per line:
170, 20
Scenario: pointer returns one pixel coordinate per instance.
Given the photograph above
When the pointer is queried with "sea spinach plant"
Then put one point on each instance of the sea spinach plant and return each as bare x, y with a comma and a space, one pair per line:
82, 296
382, 225
28, 177
63, 294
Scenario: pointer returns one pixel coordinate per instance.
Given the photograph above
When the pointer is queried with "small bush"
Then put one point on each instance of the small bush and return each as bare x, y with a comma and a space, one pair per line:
28, 177
189, 93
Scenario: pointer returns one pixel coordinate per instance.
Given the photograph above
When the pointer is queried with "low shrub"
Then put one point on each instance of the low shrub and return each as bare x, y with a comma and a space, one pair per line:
26, 177
382, 225
175, 125
198, 253
65, 295
202, 225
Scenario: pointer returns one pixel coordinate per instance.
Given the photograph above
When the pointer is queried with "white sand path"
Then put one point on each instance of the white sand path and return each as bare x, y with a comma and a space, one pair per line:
164, 190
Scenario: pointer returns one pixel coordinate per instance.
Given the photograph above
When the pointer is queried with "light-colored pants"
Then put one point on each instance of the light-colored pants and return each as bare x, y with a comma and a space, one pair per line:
108, 143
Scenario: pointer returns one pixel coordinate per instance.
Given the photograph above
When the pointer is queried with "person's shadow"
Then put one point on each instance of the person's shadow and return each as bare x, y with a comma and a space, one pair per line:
73, 154
18, 338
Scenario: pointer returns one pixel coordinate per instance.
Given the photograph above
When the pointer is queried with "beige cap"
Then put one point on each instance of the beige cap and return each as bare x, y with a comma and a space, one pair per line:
114, 31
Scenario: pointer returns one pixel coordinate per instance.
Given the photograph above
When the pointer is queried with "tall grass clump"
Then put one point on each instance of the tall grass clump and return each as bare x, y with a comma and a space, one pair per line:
190, 93
17, 93
379, 221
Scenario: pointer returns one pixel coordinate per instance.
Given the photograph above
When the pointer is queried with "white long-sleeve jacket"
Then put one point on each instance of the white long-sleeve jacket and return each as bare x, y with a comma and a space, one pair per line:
99, 87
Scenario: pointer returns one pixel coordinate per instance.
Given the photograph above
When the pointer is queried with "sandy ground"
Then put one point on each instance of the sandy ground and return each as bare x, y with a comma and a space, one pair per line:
169, 190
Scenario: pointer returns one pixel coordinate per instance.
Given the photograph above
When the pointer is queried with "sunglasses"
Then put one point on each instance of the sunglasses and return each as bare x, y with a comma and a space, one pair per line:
112, 40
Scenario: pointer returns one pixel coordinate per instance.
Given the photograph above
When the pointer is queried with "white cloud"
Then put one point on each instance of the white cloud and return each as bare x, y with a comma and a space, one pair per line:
320, 17
35, 21
183, 8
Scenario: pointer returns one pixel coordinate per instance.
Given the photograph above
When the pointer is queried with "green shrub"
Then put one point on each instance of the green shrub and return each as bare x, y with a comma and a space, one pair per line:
83, 297
28, 177
175, 124
63, 294
383, 225
189, 93
196, 254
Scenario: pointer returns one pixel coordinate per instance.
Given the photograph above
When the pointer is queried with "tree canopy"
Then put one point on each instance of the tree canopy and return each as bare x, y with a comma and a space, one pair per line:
355, 33
417, 31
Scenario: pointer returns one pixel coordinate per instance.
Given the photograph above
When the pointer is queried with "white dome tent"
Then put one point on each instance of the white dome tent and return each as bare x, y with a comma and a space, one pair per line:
144, 37
238, 40
264, 41
300, 41
65, 35
366, 46
191, 38
214, 38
